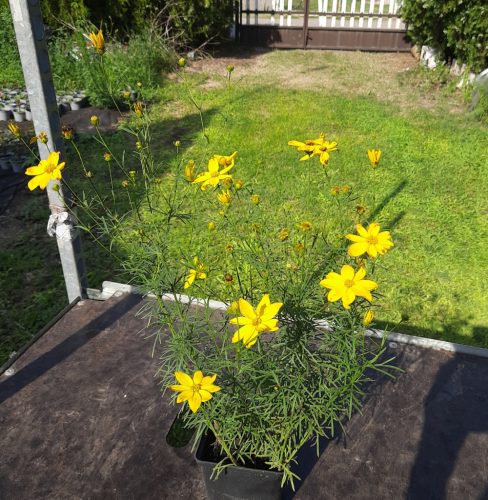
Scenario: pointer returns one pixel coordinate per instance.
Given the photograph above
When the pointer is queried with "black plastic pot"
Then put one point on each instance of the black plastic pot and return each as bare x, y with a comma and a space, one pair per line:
237, 483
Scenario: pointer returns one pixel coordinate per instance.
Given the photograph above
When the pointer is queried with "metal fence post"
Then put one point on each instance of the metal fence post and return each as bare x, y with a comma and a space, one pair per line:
31, 40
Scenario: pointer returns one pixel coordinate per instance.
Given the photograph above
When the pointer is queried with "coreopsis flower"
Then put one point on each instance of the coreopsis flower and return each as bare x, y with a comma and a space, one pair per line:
370, 241
226, 161
346, 189
97, 41
198, 273
45, 171
195, 390
189, 171
107, 156
315, 147
211, 226
374, 156
368, 317
14, 129
67, 132
224, 197
227, 183
253, 322
305, 226
348, 285
238, 184
213, 176
233, 308
335, 190
181, 62
94, 120
42, 137
256, 199
138, 108
283, 234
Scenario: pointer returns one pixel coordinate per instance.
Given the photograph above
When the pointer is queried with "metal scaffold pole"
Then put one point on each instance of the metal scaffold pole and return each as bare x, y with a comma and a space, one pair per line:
31, 40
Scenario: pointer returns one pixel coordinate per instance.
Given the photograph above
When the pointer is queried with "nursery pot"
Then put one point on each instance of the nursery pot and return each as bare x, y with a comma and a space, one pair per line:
19, 116
236, 482
5, 114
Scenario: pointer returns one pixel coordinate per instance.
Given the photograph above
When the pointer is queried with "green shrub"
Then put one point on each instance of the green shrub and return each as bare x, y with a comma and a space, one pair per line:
201, 20
456, 28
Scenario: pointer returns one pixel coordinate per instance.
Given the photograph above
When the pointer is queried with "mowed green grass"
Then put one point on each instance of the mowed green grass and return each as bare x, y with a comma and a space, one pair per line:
430, 190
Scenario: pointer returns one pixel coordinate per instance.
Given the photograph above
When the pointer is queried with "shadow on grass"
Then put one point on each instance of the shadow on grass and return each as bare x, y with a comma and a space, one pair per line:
389, 197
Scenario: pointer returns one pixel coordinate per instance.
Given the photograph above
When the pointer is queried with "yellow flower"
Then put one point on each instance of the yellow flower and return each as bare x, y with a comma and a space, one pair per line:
305, 226
138, 108
238, 184
368, 317
42, 137
195, 390
132, 174
255, 198
213, 176
125, 95
315, 147
46, 171
68, 132
299, 247
374, 156
94, 120
107, 156
346, 189
14, 129
125, 183
211, 226
233, 308
335, 190
254, 322
181, 62
97, 41
224, 197
283, 234
370, 241
177, 144
348, 285
226, 161
197, 273
139, 85
228, 182
189, 172
230, 68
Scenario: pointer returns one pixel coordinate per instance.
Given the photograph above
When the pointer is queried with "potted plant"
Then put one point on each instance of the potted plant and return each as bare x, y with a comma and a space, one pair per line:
283, 363
19, 111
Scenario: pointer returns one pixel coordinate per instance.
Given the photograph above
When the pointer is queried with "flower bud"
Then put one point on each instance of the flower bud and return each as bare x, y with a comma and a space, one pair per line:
368, 317
211, 226
107, 156
255, 199
181, 62
94, 120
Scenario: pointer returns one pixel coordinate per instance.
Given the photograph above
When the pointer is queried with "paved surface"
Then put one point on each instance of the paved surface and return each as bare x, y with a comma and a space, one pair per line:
82, 418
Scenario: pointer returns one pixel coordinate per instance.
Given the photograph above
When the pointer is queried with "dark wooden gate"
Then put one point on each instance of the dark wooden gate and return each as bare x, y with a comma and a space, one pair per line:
323, 24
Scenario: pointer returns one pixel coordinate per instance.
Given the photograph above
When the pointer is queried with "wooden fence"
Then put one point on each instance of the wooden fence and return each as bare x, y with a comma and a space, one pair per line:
341, 24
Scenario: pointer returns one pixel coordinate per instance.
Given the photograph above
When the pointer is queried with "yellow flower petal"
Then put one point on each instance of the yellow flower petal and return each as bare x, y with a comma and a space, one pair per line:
184, 379
246, 309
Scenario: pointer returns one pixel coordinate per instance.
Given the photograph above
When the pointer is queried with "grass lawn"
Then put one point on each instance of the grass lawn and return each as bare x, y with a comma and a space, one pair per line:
430, 189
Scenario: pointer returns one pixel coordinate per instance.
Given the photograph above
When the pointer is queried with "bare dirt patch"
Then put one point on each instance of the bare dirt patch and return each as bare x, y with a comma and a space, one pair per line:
381, 75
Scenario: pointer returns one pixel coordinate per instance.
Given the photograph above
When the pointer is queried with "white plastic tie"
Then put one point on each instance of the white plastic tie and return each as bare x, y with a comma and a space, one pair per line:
60, 225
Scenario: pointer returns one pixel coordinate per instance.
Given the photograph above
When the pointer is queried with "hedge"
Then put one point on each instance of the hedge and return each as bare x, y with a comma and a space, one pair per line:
458, 29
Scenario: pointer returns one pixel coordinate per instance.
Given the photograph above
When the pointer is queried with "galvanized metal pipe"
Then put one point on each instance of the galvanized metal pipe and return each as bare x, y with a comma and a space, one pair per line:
31, 40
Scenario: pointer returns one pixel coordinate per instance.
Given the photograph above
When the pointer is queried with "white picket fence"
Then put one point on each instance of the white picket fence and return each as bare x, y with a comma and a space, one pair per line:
360, 14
